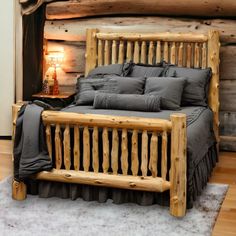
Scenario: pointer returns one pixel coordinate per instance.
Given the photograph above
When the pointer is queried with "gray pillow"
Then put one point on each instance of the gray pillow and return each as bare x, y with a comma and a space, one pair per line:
197, 82
142, 70
126, 85
87, 88
169, 89
113, 69
132, 102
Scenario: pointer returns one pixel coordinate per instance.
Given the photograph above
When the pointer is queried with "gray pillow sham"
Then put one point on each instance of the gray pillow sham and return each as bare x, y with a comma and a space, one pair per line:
113, 69
142, 70
169, 89
126, 85
197, 82
132, 102
87, 88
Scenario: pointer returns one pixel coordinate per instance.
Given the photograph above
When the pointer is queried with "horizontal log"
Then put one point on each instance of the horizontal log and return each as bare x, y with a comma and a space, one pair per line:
228, 95
107, 180
166, 36
75, 30
228, 123
228, 143
228, 62
122, 122
228, 131
82, 8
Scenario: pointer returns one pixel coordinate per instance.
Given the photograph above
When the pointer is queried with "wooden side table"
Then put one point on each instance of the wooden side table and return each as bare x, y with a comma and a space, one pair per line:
60, 100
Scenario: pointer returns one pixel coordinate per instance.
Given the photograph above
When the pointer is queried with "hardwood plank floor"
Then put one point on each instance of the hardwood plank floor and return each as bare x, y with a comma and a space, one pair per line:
224, 172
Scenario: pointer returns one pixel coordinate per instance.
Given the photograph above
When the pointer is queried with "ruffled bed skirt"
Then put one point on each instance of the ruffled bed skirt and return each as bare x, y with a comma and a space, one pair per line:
196, 183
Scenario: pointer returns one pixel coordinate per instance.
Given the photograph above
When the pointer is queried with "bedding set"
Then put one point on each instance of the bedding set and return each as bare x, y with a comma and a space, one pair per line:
129, 89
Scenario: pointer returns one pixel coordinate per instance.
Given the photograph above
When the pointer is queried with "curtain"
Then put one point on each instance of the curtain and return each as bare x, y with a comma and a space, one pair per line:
33, 27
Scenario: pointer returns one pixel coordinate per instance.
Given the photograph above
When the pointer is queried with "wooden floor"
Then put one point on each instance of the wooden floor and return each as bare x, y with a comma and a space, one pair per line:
225, 172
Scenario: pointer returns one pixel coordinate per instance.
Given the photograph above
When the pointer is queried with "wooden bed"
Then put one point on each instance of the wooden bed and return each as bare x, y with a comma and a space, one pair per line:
187, 50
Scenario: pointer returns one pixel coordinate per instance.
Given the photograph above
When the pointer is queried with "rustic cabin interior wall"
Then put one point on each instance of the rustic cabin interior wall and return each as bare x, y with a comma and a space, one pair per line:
67, 21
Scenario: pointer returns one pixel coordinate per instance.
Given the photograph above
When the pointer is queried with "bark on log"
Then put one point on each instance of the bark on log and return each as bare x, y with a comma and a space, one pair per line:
228, 131
75, 30
228, 62
228, 95
82, 8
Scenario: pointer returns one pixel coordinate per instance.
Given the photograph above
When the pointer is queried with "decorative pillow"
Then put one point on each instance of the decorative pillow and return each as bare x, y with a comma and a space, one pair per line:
126, 85
197, 82
144, 70
169, 89
132, 102
86, 89
113, 69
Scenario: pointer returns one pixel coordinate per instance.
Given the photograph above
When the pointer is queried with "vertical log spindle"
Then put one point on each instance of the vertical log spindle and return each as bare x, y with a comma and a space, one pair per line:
144, 156
114, 151
204, 56
189, 55
166, 52
144, 52
86, 149
100, 53
173, 54
134, 153
158, 52
114, 52
129, 51
180, 54
105, 141
58, 147
66, 142
49, 140
151, 53
164, 155
95, 150
196, 56
107, 53
153, 154
124, 152
76, 147
121, 52
136, 52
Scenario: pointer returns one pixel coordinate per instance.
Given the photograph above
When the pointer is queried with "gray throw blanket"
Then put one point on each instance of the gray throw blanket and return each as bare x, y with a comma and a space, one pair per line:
131, 102
30, 149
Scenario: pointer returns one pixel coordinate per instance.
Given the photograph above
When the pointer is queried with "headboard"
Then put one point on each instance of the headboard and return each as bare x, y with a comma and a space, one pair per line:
182, 49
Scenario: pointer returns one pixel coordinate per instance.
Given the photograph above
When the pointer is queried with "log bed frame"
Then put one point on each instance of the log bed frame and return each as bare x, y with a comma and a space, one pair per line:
188, 50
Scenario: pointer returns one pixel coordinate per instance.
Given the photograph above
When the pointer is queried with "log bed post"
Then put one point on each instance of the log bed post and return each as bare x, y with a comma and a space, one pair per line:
178, 165
91, 50
213, 62
19, 190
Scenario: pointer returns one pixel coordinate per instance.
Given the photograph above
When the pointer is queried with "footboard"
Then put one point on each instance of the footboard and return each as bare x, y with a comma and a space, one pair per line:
73, 144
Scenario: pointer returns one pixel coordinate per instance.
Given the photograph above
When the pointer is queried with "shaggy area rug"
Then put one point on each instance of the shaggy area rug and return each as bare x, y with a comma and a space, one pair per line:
36, 216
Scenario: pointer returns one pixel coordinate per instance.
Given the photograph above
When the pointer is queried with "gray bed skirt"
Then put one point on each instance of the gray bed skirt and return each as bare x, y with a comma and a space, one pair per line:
195, 184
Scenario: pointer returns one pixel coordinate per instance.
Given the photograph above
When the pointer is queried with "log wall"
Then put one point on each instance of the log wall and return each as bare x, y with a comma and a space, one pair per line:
70, 34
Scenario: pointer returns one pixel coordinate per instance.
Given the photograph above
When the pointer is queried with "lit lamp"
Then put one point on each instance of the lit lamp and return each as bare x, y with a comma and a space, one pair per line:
55, 59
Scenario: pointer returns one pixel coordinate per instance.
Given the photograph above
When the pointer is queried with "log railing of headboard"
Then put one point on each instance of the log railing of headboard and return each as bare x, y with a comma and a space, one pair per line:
182, 49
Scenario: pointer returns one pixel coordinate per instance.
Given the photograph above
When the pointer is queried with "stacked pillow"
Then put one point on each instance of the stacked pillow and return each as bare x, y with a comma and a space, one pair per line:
118, 86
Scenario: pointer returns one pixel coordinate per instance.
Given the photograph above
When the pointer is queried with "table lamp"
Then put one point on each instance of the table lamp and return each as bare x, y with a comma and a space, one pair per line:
55, 59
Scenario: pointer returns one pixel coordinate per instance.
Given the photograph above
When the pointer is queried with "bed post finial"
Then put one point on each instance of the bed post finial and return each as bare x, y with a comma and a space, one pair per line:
178, 179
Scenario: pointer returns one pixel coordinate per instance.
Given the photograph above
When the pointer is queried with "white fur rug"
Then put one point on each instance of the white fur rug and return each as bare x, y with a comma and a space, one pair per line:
36, 216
